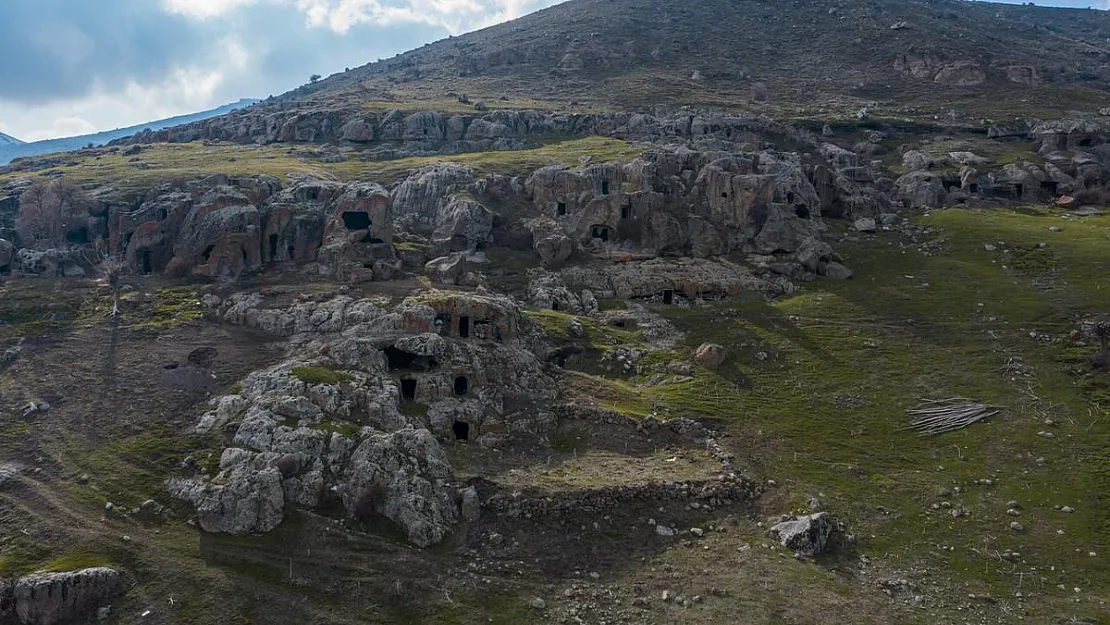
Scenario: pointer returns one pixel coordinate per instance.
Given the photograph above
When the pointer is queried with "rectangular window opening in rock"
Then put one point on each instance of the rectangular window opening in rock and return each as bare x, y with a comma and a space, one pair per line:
408, 389
355, 221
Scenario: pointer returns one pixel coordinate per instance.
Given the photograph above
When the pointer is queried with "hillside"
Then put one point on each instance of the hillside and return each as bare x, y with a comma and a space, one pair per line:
905, 57
6, 140
18, 149
623, 313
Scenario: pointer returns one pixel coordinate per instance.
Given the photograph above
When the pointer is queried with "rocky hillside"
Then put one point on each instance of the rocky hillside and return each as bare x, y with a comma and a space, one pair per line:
904, 58
6, 140
395, 349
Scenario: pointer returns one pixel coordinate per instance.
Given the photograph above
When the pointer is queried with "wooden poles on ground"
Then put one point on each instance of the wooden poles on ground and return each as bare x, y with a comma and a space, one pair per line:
937, 416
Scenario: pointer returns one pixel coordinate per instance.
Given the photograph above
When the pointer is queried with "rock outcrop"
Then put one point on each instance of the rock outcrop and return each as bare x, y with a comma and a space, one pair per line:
362, 409
57, 598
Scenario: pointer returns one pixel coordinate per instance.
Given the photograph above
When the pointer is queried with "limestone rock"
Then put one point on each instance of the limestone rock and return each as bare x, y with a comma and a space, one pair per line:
448, 269
246, 497
53, 598
710, 355
807, 535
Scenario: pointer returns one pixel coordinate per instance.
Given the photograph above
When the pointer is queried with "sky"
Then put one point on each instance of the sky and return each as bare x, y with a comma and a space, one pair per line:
71, 67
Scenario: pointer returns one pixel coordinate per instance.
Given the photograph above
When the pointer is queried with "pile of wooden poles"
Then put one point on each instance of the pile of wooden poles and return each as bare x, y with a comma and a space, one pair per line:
937, 416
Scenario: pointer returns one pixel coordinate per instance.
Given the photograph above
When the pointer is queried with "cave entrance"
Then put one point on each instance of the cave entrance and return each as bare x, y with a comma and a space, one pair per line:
206, 255
802, 211
668, 296
605, 187
626, 212
273, 246
79, 236
1050, 186
461, 430
400, 360
146, 261
600, 232
355, 221
561, 209
408, 389
1019, 190
555, 306
462, 385
291, 253
464, 327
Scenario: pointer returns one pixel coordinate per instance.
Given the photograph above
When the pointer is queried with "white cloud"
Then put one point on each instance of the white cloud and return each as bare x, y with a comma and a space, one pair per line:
204, 8
184, 91
62, 127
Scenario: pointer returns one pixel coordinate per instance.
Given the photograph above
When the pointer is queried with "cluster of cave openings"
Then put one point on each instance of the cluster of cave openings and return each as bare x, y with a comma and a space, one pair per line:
355, 221
600, 232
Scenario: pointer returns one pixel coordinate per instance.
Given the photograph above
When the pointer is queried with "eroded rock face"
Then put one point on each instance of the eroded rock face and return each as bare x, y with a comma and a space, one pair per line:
54, 598
330, 419
244, 498
807, 535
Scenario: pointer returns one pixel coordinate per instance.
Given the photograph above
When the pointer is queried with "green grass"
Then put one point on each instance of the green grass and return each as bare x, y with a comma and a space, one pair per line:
188, 161
320, 375
913, 325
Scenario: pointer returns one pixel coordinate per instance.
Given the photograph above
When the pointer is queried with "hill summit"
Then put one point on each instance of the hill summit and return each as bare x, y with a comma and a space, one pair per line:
789, 56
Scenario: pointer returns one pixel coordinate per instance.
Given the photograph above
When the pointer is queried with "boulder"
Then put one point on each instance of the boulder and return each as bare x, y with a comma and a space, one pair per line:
865, 224
50, 598
246, 497
447, 269
710, 355
813, 253
806, 535
835, 270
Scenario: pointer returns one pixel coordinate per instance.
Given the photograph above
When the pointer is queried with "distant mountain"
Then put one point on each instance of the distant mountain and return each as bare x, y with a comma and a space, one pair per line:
12, 148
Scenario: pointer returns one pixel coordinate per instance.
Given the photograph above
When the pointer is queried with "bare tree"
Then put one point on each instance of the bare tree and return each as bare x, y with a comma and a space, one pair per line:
113, 271
48, 211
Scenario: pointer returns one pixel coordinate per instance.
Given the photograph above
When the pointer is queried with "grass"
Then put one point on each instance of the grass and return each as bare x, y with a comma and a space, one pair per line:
320, 375
916, 324
189, 161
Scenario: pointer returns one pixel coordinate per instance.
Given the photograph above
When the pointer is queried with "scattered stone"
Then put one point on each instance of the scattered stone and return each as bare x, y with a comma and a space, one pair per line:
1067, 509
697, 531
538, 604
663, 530
1017, 527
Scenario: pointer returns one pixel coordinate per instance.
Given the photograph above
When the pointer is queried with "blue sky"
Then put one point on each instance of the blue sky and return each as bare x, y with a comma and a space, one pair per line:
70, 67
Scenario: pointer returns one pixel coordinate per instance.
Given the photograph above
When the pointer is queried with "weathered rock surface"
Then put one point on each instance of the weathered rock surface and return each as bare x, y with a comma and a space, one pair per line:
807, 535
710, 355
55, 598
